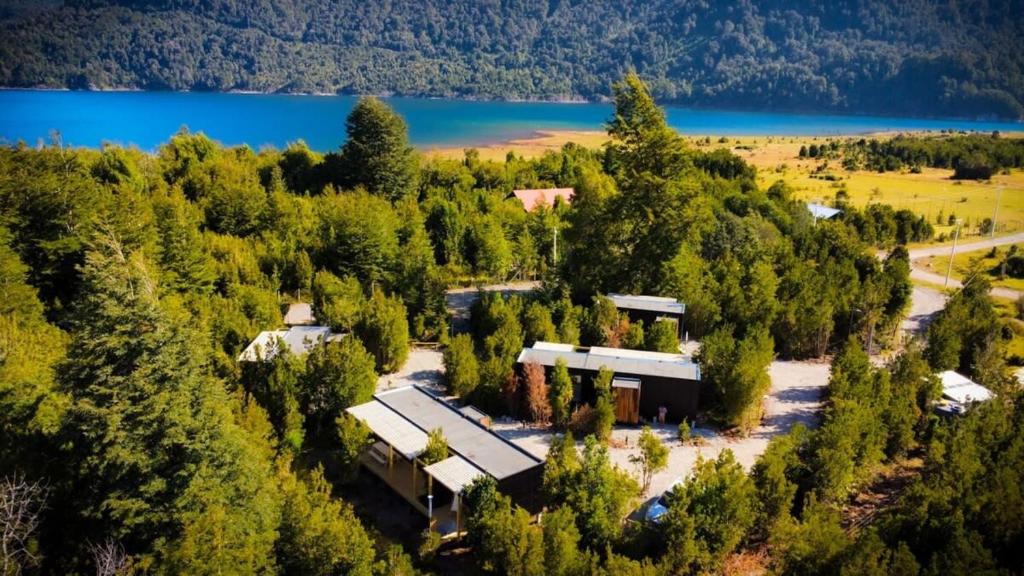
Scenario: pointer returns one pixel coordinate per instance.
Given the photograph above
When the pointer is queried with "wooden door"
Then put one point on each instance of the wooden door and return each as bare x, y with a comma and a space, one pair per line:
627, 405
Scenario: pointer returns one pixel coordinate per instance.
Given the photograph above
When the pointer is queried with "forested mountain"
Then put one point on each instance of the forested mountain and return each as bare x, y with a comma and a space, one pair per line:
921, 57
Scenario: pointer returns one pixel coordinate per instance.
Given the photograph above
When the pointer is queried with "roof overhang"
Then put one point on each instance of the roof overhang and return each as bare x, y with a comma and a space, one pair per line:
455, 473
391, 427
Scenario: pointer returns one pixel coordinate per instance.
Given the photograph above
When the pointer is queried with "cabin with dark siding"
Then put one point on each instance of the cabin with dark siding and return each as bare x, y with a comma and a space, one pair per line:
643, 381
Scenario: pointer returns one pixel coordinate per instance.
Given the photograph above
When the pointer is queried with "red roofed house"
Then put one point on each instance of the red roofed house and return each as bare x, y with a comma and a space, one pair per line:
544, 197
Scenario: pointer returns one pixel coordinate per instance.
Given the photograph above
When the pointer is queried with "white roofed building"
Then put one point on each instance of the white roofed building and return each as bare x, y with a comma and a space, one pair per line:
960, 392
299, 340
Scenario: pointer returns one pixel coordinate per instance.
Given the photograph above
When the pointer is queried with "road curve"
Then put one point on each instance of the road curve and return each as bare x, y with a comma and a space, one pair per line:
923, 275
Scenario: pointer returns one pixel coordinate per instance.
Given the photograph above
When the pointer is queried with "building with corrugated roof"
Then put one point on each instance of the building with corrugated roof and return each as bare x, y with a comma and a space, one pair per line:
644, 382
401, 420
959, 393
650, 309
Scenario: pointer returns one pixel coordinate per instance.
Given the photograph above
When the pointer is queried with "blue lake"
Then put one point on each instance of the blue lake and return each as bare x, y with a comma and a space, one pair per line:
147, 119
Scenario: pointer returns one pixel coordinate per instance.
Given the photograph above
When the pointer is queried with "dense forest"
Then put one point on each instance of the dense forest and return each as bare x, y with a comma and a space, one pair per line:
962, 58
132, 440
975, 157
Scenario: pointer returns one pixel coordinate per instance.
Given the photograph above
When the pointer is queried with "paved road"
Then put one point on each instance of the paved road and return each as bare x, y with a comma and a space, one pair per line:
968, 247
940, 279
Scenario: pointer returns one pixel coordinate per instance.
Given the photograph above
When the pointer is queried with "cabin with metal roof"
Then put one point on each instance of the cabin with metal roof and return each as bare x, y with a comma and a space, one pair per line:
650, 309
959, 393
300, 336
643, 382
401, 420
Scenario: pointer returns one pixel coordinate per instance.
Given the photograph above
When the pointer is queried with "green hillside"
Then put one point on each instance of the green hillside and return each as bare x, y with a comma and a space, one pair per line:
959, 58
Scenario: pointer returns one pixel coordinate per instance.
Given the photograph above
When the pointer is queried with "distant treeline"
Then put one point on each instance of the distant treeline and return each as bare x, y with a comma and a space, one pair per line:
962, 58
974, 156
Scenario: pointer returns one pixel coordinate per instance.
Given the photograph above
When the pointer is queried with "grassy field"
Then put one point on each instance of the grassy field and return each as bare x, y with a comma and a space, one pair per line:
931, 193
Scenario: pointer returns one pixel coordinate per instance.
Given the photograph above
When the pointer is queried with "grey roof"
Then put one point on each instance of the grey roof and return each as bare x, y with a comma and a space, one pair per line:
821, 211
618, 360
481, 447
401, 434
648, 303
454, 472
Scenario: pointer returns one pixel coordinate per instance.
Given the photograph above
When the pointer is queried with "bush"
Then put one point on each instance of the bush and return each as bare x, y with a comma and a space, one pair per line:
604, 418
462, 371
684, 432
583, 420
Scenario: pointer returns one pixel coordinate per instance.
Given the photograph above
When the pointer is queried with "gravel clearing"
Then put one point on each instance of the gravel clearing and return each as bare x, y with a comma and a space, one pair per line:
795, 397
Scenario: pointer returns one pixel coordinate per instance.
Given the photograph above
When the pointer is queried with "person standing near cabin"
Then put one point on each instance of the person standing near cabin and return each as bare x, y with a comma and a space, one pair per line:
662, 413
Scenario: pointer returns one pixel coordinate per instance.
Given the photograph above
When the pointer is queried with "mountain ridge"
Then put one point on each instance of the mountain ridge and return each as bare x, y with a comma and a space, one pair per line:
920, 58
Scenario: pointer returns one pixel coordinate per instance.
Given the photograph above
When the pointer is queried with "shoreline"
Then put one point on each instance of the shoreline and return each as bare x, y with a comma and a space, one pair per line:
543, 140
575, 100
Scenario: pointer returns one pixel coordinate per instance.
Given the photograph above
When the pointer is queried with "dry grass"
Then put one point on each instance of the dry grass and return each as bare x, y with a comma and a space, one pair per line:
543, 141
931, 193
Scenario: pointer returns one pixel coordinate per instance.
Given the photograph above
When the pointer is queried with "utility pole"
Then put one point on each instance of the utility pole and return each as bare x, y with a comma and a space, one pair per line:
554, 250
995, 214
956, 234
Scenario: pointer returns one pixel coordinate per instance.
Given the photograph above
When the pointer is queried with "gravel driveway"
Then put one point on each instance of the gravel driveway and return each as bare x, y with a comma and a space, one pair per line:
795, 397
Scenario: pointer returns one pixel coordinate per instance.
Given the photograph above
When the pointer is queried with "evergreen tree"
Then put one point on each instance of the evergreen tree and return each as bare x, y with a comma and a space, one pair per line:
437, 447
384, 330
736, 373
662, 336
186, 264
158, 461
561, 543
600, 494
560, 392
537, 324
710, 514
461, 369
338, 375
377, 154
354, 438
337, 302
320, 535
653, 457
